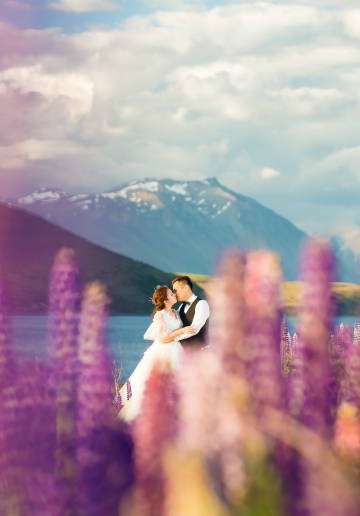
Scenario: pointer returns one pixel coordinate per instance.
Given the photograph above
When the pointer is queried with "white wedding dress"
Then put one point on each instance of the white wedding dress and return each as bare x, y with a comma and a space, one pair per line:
167, 355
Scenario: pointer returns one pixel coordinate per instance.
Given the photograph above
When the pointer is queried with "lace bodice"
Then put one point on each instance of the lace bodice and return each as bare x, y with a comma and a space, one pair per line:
163, 324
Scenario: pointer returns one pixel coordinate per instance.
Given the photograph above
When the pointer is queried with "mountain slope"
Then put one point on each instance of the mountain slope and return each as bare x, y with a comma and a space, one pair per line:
173, 225
27, 248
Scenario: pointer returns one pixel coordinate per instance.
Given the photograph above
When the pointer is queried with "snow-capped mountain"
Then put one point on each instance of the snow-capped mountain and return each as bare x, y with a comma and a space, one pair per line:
173, 225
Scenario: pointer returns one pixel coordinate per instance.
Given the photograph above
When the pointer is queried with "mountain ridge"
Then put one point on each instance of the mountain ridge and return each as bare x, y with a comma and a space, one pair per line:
28, 245
176, 225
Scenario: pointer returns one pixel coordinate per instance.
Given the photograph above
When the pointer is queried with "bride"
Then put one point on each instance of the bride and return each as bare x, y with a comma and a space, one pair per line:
165, 330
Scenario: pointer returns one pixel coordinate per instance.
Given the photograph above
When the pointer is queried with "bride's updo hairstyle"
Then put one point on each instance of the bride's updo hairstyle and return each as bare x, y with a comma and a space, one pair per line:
158, 298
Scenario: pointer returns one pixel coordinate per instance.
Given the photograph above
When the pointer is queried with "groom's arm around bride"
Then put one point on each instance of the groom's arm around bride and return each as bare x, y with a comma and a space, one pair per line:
194, 311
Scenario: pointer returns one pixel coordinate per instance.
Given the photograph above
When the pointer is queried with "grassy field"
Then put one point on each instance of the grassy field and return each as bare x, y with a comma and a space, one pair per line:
346, 295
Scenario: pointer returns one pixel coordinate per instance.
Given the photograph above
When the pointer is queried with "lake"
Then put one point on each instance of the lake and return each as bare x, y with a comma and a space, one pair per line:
125, 337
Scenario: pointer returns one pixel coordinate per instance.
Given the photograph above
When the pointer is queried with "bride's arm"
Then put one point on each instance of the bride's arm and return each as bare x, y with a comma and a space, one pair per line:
169, 337
163, 336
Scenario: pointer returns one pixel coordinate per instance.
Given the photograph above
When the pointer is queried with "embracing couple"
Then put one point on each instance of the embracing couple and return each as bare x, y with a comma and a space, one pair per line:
173, 332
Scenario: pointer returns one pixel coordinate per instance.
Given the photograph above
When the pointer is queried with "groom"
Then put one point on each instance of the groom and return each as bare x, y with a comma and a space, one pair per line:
194, 311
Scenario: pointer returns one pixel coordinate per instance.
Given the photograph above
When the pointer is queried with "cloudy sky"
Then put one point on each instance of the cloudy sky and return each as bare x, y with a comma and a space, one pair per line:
263, 95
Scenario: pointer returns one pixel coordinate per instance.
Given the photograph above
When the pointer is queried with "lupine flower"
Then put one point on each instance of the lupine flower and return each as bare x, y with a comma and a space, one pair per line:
229, 314
230, 379
6, 358
351, 383
285, 349
154, 428
102, 444
64, 306
36, 412
11, 491
310, 402
264, 311
337, 388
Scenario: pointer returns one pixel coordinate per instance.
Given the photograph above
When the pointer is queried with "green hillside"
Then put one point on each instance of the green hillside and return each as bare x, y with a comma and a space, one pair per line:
28, 245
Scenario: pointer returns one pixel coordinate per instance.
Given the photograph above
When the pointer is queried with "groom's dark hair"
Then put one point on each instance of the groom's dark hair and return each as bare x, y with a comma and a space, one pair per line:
183, 279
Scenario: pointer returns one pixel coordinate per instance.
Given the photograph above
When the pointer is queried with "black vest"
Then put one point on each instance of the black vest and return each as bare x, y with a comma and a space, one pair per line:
187, 319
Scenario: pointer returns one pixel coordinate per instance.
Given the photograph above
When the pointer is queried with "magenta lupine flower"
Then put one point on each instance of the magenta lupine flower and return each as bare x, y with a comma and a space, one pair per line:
285, 349
351, 382
320, 484
198, 383
36, 411
64, 306
225, 381
103, 450
309, 396
154, 428
263, 295
10, 430
229, 314
339, 345
6, 357
128, 390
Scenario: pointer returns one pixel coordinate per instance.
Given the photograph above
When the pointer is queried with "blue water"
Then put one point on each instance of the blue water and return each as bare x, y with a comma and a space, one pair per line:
125, 337
124, 333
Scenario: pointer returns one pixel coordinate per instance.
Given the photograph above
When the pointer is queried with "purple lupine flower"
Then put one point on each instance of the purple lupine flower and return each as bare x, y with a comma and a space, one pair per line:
339, 345
118, 401
153, 429
285, 349
36, 412
64, 306
10, 456
103, 450
263, 297
225, 382
6, 357
351, 383
228, 309
321, 488
311, 376
128, 390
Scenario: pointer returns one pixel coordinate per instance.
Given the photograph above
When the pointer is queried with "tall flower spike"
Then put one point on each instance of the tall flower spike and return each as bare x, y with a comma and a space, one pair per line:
310, 396
285, 349
339, 347
351, 384
264, 304
322, 482
64, 306
229, 344
6, 359
228, 313
100, 473
154, 428
9, 417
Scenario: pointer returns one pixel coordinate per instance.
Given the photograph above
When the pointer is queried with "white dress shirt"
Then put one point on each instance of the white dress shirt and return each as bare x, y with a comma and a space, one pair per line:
202, 313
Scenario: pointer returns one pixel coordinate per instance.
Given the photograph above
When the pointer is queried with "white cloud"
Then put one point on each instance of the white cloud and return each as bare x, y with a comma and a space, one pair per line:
190, 92
82, 6
74, 87
269, 173
351, 20
17, 155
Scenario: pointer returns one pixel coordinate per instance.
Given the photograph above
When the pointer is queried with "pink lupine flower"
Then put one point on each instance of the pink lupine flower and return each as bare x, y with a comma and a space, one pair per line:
229, 313
351, 382
154, 428
102, 445
310, 381
263, 295
64, 306
6, 357
225, 381
286, 355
